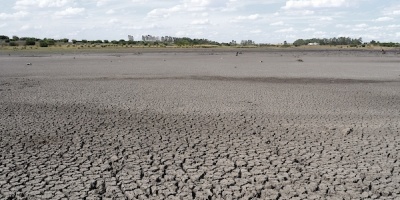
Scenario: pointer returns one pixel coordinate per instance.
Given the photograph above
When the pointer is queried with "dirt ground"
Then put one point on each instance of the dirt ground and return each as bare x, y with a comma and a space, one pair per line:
200, 124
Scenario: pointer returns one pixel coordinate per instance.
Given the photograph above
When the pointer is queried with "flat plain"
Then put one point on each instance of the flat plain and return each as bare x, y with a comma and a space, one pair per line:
200, 124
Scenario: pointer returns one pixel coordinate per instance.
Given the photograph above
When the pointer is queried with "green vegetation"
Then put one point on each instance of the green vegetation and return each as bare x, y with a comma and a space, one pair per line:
13, 44
30, 41
43, 43
329, 41
183, 42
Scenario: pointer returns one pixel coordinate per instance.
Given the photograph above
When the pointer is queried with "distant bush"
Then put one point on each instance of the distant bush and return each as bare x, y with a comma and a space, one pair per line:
65, 40
43, 43
13, 44
51, 42
30, 41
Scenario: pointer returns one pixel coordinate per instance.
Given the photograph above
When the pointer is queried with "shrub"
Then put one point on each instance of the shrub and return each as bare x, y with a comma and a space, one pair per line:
13, 44
65, 40
30, 41
43, 43
51, 42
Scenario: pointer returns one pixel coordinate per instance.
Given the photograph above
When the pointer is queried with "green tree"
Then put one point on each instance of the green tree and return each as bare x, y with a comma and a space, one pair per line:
30, 41
299, 42
3, 37
122, 41
65, 40
15, 38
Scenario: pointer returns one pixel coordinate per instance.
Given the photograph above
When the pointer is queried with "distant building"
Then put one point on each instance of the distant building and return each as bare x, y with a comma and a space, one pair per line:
313, 44
130, 38
167, 39
150, 38
247, 42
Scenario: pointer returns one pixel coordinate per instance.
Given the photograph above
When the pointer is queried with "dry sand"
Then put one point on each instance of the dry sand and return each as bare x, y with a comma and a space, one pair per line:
200, 124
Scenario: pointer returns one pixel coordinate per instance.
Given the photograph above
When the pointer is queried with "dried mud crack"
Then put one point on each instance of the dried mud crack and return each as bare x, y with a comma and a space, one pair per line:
197, 138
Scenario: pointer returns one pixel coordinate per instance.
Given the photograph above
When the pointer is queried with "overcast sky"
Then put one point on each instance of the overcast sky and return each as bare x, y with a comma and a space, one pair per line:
264, 21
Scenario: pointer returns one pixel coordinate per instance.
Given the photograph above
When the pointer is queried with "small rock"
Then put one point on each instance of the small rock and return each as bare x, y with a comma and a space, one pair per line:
114, 158
347, 131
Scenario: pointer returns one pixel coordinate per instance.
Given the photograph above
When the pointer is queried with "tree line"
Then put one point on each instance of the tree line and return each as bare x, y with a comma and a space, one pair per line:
343, 41
329, 41
184, 41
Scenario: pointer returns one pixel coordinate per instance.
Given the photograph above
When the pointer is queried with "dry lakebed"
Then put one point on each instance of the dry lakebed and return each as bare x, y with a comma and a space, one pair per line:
200, 124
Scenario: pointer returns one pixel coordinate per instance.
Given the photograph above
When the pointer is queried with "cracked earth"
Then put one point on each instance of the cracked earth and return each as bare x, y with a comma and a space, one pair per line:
200, 125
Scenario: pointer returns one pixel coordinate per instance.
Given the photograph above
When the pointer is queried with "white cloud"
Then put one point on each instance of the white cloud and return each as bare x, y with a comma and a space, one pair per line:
299, 4
249, 17
188, 6
102, 2
299, 12
164, 12
391, 11
200, 22
361, 25
256, 31
285, 30
253, 17
342, 26
113, 21
25, 27
13, 16
383, 19
70, 11
3, 25
29, 27
280, 23
309, 29
181, 34
147, 27
109, 12
326, 19
24, 4
394, 26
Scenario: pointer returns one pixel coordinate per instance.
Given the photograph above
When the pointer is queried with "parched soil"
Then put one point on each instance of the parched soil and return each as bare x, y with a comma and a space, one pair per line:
200, 125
